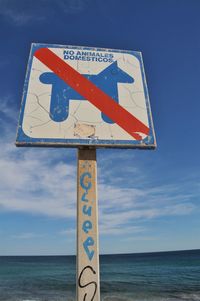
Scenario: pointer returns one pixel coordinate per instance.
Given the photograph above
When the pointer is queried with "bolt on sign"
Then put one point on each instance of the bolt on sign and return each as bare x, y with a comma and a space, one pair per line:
86, 98
80, 96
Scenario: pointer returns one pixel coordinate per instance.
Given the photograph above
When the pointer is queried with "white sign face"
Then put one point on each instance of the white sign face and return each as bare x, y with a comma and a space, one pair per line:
85, 96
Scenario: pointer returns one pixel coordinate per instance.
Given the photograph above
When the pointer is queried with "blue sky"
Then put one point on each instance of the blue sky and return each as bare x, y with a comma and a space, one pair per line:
148, 200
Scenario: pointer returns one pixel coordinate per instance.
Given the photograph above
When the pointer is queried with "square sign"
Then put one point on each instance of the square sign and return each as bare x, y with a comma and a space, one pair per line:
81, 96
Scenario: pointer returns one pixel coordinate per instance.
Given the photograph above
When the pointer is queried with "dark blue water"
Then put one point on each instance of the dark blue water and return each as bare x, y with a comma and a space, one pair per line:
166, 276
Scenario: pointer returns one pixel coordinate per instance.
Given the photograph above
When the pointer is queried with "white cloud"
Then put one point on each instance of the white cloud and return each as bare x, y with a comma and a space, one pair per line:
26, 235
23, 12
73, 6
68, 232
42, 181
7, 109
37, 181
33, 183
20, 13
117, 229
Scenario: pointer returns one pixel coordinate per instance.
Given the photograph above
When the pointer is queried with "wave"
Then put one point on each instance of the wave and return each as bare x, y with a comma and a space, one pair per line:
175, 297
123, 297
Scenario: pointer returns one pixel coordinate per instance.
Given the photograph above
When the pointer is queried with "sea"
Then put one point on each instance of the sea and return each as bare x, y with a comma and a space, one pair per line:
163, 276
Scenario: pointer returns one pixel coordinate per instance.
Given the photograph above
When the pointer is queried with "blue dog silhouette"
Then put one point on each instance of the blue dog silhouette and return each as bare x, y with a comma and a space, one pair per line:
106, 80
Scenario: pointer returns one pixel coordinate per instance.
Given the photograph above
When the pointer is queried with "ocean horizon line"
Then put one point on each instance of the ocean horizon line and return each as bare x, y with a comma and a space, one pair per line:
104, 254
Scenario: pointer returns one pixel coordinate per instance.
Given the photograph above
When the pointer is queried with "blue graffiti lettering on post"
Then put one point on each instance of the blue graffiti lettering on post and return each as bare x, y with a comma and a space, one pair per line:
87, 210
89, 242
87, 226
85, 185
83, 198
85, 182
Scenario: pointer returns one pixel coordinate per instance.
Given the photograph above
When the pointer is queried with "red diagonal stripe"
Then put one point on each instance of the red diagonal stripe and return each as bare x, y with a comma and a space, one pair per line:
92, 93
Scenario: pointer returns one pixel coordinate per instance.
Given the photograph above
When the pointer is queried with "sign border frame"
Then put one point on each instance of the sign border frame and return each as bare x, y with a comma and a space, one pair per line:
23, 140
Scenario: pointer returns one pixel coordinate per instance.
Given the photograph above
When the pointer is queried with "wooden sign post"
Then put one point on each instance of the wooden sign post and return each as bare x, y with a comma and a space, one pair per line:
88, 284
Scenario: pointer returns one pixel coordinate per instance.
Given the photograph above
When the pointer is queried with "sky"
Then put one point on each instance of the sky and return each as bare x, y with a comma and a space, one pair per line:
148, 199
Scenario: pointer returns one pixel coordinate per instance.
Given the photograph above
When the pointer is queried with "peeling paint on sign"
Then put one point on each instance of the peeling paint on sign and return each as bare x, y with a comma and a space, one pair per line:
84, 130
